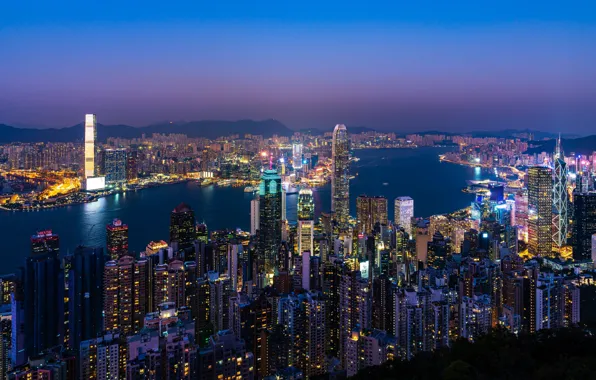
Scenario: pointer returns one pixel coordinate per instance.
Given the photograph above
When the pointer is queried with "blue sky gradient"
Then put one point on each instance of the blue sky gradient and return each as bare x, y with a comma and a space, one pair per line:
407, 66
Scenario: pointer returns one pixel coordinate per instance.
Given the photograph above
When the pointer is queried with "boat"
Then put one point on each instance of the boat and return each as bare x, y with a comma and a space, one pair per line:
385, 183
250, 189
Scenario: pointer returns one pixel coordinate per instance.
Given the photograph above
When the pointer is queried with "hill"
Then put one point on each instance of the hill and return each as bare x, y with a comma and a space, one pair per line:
583, 145
548, 354
203, 128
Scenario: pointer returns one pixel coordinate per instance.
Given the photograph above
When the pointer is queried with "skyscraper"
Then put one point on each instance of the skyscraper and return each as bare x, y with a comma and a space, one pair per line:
560, 198
182, 226
369, 212
306, 224
117, 239
254, 216
131, 165
115, 166
90, 136
270, 220
297, 156
340, 176
540, 210
404, 212
584, 225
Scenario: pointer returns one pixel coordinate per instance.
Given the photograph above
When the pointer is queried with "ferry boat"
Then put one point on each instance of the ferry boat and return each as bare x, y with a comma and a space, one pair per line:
250, 189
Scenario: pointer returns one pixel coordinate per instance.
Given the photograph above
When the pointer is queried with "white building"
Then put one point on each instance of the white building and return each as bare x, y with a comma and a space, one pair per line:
404, 212
254, 216
90, 136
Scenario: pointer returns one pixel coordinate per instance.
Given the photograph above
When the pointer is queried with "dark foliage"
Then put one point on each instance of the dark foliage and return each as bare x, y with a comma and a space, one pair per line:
548, 354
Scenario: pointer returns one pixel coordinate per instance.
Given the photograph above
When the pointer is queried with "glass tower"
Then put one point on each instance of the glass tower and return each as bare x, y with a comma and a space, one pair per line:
306, 215
90, 136
270, 220
560, 198
540, 211
340, 177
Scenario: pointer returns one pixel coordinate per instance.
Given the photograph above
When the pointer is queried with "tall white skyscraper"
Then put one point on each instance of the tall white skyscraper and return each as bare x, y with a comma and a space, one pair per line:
297, 156
404, 212
340, 176
254, 216
90, 136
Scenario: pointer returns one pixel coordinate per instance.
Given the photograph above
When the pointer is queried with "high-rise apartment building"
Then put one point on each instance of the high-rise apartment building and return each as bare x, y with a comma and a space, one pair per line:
540, 211
297, 156
117, 239
404, 212
584, 225
340, 175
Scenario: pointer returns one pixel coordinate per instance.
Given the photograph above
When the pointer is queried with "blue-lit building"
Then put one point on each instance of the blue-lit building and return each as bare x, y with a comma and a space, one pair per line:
270, 221
115, 166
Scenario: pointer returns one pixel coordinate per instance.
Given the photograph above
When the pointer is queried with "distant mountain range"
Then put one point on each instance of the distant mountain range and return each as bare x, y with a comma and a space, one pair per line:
583, 145
204, 128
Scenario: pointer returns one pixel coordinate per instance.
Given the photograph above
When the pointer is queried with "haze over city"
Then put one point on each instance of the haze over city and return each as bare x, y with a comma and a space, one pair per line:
401, 67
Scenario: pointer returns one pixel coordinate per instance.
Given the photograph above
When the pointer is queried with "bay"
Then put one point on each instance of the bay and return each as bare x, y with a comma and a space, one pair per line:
434, 186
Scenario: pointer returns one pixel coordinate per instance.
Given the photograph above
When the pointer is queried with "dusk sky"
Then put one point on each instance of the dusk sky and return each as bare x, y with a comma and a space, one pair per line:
413, 65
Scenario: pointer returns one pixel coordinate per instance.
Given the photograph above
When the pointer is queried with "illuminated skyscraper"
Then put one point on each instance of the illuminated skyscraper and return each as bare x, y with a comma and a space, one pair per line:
560, 198
404, 212
297, 156
369, 212
90, 136
182, 226
340, 176
115, 166
117, 239
254, 216
131, 165
270, 220
306, 215
45, 241
540, 211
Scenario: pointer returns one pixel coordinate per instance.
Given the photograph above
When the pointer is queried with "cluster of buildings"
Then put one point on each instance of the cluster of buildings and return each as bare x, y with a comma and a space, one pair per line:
331, 294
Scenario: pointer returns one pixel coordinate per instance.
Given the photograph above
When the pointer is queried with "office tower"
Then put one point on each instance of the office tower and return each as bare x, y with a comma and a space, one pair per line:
43, 301
169, 283
127, 294
8, 285
332, 269
83, 290
90, 136
475, 316
340, 175
297, 156
584, 225
370, 211
382, 302
521, 214
131, 165
270, 221
540, 211
100, 358
560, 198
117, 239
202, 233
115, 166
235, 251
225, 357
438, 251
44, 241
369, 348
182, 226
404, 212
306, 224
254, 216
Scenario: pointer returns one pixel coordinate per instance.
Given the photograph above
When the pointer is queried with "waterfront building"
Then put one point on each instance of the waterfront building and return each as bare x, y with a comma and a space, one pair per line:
584, 225
404, 212
270, 221
90, 137
117, 239
132, 165
540, 211
370, 212
340, 175
115, 166
182, 227
297, 156
44, 241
